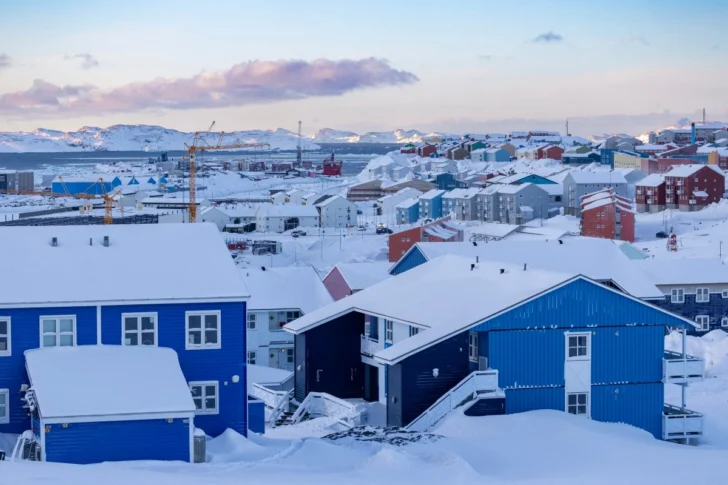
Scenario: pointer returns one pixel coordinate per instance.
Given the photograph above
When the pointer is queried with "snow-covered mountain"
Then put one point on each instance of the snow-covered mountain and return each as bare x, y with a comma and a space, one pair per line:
329, 135
135, 138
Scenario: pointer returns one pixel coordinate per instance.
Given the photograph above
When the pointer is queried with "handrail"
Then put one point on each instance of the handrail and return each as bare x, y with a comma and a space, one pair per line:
447, 397
313, 397
278, 408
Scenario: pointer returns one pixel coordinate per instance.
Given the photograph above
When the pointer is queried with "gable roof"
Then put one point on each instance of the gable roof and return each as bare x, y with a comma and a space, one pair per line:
285, 288
688, 170
604, 177
363, 275
692, 271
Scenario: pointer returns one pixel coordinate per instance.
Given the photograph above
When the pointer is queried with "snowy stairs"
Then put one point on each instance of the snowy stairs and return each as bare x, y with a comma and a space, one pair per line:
284, 419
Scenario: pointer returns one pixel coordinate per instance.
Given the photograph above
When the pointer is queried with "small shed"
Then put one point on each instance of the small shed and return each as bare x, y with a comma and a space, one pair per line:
96, 403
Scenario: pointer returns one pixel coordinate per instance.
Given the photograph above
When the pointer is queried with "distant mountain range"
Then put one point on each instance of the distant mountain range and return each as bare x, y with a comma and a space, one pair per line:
157, 138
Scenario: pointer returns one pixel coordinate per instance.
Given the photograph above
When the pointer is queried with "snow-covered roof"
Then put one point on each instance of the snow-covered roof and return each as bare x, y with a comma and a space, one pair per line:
440, 232
259, 374
688, 271
93, 273
610, 199
512, 189
492, 229
647, 147
107, 380
238, 210
169, 200
285, 288
431, 194
552, 189
602, 177
406, 204
652, 180
364, 275
288, 210
688, 170
328, 200
575, 255
700, 193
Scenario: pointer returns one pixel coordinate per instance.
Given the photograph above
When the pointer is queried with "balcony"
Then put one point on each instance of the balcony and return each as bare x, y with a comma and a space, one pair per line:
370, 346
679, 370
678, 423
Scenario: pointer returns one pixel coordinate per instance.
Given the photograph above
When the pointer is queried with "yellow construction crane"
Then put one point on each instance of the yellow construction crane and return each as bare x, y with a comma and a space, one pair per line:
199, 144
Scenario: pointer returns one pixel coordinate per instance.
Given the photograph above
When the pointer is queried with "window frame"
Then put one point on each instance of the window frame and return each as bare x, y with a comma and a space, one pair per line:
701, 328
724, 293
58, 333
674, 292
587, 346
388, 331
202, 385
587, 405
203, 346
413, 330
473, 341
5, 419
8, 352
702, 295
139, 316
248, 320
248, 353
724, 322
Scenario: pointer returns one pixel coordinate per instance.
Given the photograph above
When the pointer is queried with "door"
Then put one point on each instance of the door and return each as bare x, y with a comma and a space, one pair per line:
577, 373
371, 383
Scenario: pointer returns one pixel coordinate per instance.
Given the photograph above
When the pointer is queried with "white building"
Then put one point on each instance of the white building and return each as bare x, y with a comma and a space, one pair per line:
294, 196
336, 211
281, 218
279, 296
278, 198
226, 214
387, 205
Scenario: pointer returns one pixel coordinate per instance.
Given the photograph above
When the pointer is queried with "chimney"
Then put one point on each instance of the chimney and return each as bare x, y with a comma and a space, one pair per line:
561, 242
472, 267
477, 259
90, 241
54, 241
106, 241
502, 271
524, 266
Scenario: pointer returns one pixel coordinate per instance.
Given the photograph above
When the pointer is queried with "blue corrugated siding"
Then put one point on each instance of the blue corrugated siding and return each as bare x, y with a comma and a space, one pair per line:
412, 259
627, 354
522, 400
84, 443
199, 365
91, 187
637, 404
578, 304
486, 407
528, 358
256, 415
25, 329
716, 308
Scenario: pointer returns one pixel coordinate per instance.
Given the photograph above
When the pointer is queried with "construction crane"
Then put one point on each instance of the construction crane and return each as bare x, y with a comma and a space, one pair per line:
199, 144
108, 202
299, 155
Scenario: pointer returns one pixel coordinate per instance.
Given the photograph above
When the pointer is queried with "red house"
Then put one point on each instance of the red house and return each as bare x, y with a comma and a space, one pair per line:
441, 230
692, 187
549, 151
345, 279
650, 193
426, 150
662, 165
607, 215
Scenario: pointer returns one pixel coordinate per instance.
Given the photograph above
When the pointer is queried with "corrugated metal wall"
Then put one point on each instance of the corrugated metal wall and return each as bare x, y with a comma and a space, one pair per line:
522, 400
528, 358
411, 260
256, 415
636, 404
627, 354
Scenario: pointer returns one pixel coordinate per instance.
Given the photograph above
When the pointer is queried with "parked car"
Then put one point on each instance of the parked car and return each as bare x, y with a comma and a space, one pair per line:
661, 235
358, 211
298, 232
384, 230
361, 228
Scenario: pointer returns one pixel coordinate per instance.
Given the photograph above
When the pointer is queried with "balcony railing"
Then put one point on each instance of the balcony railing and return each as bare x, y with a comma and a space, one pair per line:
677, 369
680, 423
370, 346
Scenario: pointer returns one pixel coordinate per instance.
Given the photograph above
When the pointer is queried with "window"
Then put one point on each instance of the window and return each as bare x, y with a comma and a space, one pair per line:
578, 403
289, 356
702, 295
724, 293
388, 331
473, 347
283, 318
203, 330
140, 329
703, 322
204, 395
413, 331
251, 321
252, 354
677, 295
724, 322
578, 346
4, 406
58, 331
5, 345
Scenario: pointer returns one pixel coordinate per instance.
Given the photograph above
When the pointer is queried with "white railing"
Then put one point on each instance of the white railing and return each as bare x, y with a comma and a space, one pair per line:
370, 346
484, 380
276, 402
25, 438
319, 404
677, 369
681, 423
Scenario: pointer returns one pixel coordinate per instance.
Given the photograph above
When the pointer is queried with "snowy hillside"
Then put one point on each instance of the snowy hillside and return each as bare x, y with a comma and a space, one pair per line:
134, 138
329, 135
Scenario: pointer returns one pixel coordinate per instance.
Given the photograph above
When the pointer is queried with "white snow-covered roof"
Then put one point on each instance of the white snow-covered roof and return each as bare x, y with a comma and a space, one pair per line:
169, 200
647, 147
188, 261
610, 199
688, 170
288, 210
328, 200
512, 189
406, 204
259, 374
238, 210
364, 275
598, 259
688, 271
107, 380
652, 180
603, 177
285, 288
431, 194
492, 229
552, 189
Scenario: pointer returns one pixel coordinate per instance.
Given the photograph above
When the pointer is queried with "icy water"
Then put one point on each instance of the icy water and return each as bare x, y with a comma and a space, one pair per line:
355, 157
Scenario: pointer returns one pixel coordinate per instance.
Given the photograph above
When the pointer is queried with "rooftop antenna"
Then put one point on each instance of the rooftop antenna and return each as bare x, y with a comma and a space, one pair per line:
567, 128
703, 115
298, 150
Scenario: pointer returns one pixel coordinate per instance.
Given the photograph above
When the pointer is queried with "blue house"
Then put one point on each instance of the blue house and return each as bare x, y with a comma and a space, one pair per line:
695, 288
76, 186
431, 204
446, 181
498, 338
582, 158
408, 211
133, 181
93, 299
496, 155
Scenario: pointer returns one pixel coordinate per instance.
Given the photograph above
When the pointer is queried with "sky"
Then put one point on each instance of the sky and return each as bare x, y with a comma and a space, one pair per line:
459, 66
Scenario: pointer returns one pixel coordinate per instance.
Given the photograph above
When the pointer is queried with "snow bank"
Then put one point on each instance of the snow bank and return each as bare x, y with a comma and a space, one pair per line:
711, 347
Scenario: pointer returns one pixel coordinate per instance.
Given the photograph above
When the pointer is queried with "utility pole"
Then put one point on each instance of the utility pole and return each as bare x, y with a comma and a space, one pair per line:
703, 115
299, 155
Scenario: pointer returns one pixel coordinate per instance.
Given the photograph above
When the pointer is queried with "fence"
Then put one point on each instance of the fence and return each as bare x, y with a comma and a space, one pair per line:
81, 220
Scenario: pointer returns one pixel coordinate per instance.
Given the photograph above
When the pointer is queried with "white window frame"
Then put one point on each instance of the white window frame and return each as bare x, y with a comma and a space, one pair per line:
724, 293
9, 351
587, 406
249, 320
290, 353
252, 353
5, 419
577, 335
58, 332
388, 331
677, 295
724, 322
702, 318
367, 328
473, 347
702, 295
202, 345
139, 332
203, 384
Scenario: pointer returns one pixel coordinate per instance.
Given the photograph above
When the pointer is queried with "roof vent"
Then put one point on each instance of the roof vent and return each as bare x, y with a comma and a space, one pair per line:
472, 267
90, 241
502, 271
475, 243
262, 268
561, 242
524, 266
54, 241
106, 241
477, 259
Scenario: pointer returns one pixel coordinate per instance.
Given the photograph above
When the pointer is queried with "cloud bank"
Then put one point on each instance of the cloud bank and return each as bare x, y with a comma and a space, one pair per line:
252, 82
5, 61
87, 60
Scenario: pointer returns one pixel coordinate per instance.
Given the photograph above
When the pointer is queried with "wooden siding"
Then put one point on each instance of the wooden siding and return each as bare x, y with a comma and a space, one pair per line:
523, 400
410, 260
638, 404
336, 285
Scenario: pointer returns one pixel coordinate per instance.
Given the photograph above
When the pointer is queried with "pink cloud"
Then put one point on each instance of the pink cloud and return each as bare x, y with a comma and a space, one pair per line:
252, 82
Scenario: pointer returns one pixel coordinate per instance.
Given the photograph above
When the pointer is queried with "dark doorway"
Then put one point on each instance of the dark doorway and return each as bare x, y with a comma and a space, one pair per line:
291, 223
371, 383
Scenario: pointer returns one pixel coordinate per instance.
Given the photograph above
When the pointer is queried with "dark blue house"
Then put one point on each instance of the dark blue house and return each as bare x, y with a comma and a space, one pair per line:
198, 310
447, 181
497, 338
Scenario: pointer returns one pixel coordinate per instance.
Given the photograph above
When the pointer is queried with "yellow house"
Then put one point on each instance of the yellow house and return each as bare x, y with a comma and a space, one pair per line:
625, 160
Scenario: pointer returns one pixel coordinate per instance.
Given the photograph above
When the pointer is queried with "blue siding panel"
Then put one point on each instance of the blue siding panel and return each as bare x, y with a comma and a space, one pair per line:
639, 405
410, 260
256, 415
522, 400
486, 407
716, 308
509, 353
627, 354
91, 187
84, 443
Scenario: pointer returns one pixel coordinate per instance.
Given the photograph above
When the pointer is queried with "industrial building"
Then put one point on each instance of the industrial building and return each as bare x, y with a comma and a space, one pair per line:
15, 181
